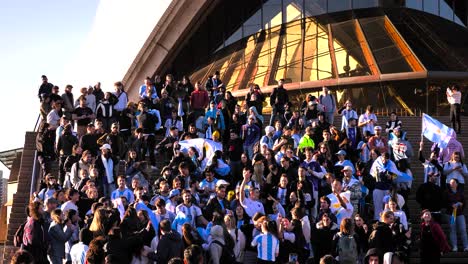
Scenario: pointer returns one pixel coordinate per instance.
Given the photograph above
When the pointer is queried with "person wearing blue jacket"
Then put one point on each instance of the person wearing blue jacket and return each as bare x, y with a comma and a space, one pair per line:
216, 114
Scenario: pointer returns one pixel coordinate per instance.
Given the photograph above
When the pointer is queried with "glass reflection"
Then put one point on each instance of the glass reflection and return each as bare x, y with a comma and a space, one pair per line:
350, 60
316, 7
289, 66
317, 61
266, 57
387, 55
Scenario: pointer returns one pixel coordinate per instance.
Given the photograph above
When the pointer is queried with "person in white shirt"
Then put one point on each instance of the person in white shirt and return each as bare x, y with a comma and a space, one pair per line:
399, 214
188, 213
252, 204
78, 251
368, 120
454, 98
347, 113
340, 201
73, 197
121, 96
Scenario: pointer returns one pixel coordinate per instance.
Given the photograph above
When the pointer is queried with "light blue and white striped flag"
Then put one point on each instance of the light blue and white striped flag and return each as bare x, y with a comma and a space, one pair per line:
435, 131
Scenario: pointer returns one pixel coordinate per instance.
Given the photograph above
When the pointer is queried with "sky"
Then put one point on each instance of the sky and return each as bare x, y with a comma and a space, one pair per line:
72, 42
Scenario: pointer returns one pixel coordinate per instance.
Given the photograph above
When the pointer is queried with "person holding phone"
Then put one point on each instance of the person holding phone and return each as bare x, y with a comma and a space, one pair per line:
454, 98
58, 236
368, 120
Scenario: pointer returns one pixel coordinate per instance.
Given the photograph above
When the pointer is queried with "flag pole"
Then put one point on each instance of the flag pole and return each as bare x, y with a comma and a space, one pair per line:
422, 126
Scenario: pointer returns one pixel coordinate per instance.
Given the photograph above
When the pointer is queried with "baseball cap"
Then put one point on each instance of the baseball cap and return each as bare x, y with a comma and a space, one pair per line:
346, 168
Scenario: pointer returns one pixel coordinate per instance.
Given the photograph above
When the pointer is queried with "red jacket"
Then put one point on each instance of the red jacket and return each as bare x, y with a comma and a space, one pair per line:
199, 99
438, 235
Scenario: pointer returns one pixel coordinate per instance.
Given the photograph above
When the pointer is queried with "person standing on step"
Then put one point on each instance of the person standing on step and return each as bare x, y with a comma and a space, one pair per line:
278, 98
329, 104
454, 98
454, 207
433, 240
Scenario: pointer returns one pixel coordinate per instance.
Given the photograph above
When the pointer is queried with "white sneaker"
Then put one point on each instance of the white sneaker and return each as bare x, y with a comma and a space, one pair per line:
455, 249
465, 249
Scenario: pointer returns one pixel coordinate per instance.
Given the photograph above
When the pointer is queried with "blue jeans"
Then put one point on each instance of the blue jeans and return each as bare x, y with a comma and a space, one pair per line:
459, 226
378, 196
249, 150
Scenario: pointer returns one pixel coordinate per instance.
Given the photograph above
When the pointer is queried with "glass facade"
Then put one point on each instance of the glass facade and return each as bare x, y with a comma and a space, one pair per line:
311, 43
440, 8
309, 50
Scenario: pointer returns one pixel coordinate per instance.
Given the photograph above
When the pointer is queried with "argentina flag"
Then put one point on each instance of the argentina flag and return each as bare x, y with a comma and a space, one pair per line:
435, 131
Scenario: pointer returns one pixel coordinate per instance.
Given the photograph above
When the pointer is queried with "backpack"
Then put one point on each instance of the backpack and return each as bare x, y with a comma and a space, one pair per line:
347, 249
18, 237
227, 255
28, 232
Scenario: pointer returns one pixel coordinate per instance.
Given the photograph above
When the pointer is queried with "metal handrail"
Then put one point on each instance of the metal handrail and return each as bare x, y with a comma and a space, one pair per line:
37, 123
34, 173
32, 189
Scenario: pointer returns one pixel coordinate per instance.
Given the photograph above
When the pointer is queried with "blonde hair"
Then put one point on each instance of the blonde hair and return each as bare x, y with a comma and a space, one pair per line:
98, 221
232, 221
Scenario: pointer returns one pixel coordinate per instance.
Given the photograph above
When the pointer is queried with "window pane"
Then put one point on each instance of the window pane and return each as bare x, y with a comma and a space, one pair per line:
415, 4
446, 11
350, 59
253, 24
233, 38
364, 3
387, 55
289, 66
239, 63
316, 7
265, 59
431, 6
338, 5
317, 60
199, 75
272, 14
293, 9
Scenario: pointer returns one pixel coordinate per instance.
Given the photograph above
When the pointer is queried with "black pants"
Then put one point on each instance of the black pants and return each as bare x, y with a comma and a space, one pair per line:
277, 110
62, 171
149, 146
455, 117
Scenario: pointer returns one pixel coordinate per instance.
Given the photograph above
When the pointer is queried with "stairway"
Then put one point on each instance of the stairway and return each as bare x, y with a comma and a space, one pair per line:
412, 126
22, 195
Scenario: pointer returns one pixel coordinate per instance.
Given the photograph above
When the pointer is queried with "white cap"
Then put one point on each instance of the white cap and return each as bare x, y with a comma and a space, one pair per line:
269, 129
221, 182
105, 146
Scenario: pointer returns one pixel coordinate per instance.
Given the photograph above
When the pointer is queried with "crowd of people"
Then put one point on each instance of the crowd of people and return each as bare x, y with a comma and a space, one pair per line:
234, 188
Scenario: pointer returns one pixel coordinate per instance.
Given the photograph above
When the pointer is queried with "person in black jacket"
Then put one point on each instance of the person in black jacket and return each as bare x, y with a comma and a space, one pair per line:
166, 145
148, 122
170, 245
89, 140
277, 100
45, 88
430, 197
65, 149
213, 84
218, 203
45, 148
381, 237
